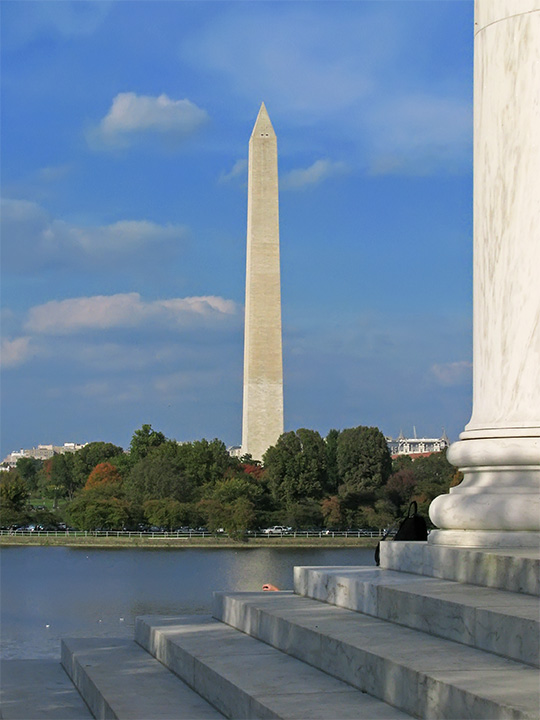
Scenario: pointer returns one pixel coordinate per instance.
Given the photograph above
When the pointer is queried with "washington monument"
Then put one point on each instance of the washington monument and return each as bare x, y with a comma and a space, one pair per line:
262, 421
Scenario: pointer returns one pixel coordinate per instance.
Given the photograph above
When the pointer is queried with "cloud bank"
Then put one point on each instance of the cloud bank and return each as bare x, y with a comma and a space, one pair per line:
32, 238
452, 373
15, 352
312, 175
238, 170
131, 115
103, 312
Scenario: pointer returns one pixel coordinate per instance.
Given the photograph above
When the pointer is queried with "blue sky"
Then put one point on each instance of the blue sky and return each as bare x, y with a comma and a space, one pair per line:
125, 129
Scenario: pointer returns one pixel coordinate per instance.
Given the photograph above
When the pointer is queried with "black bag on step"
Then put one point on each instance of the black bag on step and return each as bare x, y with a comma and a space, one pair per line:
413, 527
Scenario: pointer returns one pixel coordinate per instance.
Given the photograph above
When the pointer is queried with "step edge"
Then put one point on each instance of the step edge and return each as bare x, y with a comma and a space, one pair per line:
399, 666
369, 596
205, 664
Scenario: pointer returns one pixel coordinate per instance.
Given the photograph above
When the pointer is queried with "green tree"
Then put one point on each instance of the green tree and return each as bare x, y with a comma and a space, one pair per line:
62, 476
230, 489
401, 462
213, 512
434, 476
171, 514
332, 471
28, 468
296, 467
241, 518
102, 508
144, 440
229, 494
206, 461
46, 519
13, 499
13, 489
363, 460
381, 515
160, 474
303, 514
235, 518
123, 463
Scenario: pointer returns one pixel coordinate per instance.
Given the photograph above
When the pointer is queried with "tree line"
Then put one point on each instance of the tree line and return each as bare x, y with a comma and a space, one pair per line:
344, 480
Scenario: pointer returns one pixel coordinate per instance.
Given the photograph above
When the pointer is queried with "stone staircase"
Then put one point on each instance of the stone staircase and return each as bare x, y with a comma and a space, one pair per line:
434, 633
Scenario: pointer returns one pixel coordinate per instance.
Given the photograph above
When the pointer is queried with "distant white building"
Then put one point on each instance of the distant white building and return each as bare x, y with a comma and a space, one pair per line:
41, 452
416, 447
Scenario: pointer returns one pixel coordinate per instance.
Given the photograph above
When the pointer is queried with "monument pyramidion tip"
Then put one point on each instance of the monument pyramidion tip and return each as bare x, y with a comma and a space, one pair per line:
263, 125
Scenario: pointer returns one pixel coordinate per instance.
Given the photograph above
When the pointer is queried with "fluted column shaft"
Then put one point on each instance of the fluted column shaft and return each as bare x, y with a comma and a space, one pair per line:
498, 502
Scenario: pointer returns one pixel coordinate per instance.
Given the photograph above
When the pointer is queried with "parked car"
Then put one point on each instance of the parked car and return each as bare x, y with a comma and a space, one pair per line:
277, 530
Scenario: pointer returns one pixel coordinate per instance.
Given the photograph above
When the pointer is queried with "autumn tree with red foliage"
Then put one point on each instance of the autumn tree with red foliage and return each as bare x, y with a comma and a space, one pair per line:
102, 475
400, 488
256, 471
331, 511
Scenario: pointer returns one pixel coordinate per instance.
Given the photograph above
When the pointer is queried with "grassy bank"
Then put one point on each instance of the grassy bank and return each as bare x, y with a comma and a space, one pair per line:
185, 542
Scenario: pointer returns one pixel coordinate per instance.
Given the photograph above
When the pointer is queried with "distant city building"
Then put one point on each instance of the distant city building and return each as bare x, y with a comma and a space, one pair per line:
41, 452
416, 447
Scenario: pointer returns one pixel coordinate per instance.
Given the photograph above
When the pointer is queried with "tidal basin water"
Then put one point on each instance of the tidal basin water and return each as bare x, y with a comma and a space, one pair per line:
49, 593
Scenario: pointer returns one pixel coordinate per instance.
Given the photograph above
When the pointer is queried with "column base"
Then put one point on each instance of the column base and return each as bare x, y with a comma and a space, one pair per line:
499, 494
492, 539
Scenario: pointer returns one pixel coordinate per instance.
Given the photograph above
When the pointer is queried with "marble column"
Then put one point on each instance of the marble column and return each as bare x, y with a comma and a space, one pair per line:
498, 502
262, 422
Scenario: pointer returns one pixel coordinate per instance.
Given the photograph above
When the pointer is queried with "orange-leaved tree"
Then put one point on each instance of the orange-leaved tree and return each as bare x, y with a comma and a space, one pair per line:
104, 474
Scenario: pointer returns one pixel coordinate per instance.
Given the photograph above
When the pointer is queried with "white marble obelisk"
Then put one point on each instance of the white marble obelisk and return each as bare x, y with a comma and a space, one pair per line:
498, 502
262, 422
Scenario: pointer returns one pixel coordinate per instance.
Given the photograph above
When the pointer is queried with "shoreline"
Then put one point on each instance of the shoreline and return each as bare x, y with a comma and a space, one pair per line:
183, 543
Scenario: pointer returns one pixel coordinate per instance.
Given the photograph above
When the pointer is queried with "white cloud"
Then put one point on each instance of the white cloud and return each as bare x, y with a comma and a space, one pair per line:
16, 352
122, 236
313, 175
239, 169
31, 238
453, 373
132, 114
123, 310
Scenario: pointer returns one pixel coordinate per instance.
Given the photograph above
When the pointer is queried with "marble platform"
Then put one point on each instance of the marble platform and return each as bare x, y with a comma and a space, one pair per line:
515, 570
450, 636
39, 690
497, 621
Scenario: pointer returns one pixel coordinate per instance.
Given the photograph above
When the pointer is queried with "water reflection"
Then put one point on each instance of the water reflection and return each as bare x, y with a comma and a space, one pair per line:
49, 593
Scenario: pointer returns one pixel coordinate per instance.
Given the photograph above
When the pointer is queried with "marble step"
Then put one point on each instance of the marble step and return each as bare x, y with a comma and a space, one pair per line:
39, 690
246, 678
515, 570
425, 676
497, 621
118, 679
